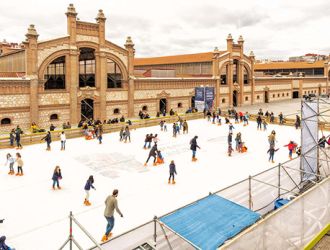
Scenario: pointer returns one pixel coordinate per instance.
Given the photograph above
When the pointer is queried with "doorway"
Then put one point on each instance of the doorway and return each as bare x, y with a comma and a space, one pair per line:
295, 94
162, 105
266, 97
192, 102
87, 109
235, 98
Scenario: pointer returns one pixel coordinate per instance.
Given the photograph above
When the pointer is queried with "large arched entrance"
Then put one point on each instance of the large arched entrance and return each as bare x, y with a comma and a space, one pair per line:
235, 95
192, 102
266, 97
162, 105
87, 109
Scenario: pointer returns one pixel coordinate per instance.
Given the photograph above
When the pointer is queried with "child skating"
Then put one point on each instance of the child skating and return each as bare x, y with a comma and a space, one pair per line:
10, 161
20, 164
291, 146
57, 176
88, 186
172, 173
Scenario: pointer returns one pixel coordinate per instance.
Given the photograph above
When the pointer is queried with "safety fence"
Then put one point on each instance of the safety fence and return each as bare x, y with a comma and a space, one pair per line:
258, 193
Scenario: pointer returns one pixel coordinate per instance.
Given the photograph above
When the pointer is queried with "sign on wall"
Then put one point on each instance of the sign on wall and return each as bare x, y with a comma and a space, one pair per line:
204, 98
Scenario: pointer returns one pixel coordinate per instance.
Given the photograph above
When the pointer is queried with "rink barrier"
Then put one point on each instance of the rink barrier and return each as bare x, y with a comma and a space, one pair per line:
35, 138
257, 193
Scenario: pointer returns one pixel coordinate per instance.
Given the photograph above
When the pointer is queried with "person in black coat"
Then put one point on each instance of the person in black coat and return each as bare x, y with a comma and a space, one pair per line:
193, 147
48, 140
152, 153
3, 245
172, 172
259, 122
18, 133
297, 122
57, 176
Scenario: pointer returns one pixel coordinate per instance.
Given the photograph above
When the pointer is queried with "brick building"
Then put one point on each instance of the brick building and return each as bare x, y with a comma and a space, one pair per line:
83, 75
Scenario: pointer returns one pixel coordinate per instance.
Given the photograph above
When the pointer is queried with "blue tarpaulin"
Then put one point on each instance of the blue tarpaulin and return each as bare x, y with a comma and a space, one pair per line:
211, 221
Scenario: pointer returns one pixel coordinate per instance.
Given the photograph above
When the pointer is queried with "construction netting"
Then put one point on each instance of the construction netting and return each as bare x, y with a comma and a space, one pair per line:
291, 227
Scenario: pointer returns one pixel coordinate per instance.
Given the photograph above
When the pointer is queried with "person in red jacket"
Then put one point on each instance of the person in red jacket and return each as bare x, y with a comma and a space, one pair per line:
291, 146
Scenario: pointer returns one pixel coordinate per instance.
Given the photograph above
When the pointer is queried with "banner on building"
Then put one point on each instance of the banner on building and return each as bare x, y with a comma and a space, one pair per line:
309, 138
204, 98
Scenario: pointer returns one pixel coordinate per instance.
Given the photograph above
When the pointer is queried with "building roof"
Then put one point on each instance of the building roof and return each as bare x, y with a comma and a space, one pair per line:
187, 58
289, 65
12, 74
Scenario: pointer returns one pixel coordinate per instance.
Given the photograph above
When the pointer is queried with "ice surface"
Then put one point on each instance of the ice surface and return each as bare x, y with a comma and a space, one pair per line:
36, 216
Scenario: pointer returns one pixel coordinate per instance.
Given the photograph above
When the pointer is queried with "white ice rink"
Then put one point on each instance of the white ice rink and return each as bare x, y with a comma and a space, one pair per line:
36, 216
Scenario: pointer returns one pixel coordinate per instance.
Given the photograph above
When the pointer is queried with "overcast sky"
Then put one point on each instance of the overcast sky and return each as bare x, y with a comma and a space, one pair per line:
273, 29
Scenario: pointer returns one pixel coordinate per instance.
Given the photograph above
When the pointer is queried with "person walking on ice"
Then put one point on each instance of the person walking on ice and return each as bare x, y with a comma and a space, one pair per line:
20, 164
152, 153
231, 127
10, 161
291, 146
111, 204
193, 147
63, 140
88, 186
57, 176
271, 152
48, 140
172, 172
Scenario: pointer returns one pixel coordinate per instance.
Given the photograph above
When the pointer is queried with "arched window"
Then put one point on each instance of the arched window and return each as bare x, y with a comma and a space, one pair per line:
246, 98
116, 111
54, 117
245, 75
55, 74
180, 105
223, 75
114, 75
5, 121
86, 67
223, 100
145, 108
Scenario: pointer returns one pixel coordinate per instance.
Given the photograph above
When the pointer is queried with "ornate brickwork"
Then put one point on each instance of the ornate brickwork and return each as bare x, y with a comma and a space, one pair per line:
116, 96
19, 100
54, 98
44, 53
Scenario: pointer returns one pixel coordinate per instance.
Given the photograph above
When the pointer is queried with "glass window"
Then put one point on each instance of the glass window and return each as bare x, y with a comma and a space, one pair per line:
114, 75
55, 74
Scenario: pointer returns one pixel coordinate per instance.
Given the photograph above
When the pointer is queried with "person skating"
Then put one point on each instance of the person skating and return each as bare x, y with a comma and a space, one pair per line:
10, 161
172, 172
322, 141
291, 146
231, 127
272, 117
63, 140
3, 245
281, 118
111, 204
161, 125
174, 129
150, 140
18, 133
264, 123
146, 141
236, 118
48, 140
246, 119
12, 137
152, 153
185, 127
88, 186
238, 141
155, 139
259, 122
127, 134
165, 126
99, 133
230, 140
193, 147
121, 135
160, 158
57, 176
20, 164
272, 138
271, 152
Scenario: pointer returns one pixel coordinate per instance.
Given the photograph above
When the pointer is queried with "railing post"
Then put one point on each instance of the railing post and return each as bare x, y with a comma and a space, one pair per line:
70, 230
250, 195
155, 231
279, 181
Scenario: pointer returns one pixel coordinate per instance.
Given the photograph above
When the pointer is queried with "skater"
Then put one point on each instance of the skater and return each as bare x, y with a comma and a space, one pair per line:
322, 141
297, 122
230, 140
271, 138
88, 186
259, 122
272, 117
264, 123
160, 158
152, 153
174, 129
150, 140
177, 128
236, 118
3, 245
161, 125
20, 164
172, 172
63, 140
238, 141
18, 133
48, 140
155, 139
165, 127
298, 151
231, 127
227, 120
99, 133
12, 137
246, 119
291, 146
10, 161
121, 135
127, 134
281, 118
111, 204
57, 175
271, 152
185, 127
219, 120
146, 141
193, 147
